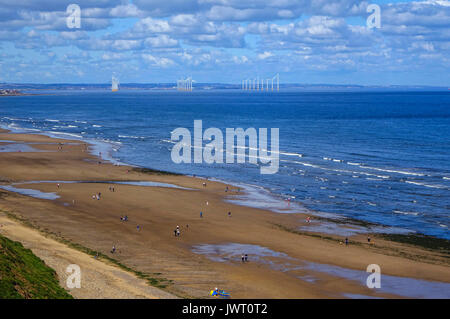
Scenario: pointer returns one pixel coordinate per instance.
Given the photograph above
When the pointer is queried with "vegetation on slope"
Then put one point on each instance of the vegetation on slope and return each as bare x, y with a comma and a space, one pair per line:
24, 275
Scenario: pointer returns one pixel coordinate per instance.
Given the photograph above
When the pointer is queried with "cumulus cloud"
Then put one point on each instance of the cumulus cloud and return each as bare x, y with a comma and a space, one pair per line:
157, 61
227, 35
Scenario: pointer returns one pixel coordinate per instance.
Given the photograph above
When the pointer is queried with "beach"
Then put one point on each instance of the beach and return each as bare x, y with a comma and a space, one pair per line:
283, 261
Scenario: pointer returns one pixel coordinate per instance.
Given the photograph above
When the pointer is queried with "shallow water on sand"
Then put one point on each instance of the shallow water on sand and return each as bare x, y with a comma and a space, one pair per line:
17, 147
400, 286
52, 196
133, 183
30, 192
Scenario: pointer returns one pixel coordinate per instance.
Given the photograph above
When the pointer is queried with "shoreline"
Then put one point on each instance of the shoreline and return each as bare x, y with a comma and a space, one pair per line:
105, 149
255, 226
318, 215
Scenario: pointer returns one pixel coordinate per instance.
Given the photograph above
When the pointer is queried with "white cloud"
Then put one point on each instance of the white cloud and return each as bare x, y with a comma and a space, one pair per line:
157, 61
265, 55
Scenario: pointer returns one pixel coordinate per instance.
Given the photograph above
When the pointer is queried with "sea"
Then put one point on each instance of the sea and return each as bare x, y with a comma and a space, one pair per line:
378, 157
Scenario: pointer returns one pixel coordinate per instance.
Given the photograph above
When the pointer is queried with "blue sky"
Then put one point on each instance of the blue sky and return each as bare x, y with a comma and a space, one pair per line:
148, 41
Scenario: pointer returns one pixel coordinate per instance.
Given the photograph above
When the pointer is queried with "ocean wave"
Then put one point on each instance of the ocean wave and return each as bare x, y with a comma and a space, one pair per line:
131, 136
111, 141
427, 185
336, 170
391, 171
332, 159
168, 141
405, 213
291, 154
17, 119
68, 134
18, 129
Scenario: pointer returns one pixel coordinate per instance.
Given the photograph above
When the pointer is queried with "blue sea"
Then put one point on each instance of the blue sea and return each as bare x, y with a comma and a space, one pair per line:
381, 157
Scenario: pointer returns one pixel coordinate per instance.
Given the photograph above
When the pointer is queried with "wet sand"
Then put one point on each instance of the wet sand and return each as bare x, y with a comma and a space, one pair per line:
76, 217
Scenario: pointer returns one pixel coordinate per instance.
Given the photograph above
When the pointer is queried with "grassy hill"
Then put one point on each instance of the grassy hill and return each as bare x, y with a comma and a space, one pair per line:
23, 275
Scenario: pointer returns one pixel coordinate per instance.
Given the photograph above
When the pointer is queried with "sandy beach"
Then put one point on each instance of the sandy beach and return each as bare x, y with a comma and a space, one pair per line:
283, 262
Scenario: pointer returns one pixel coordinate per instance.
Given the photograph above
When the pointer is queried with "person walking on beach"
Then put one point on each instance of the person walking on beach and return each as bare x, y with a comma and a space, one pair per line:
245, 257
346, 241
229, 214
201, 214
368, 239
138, 228
113, 250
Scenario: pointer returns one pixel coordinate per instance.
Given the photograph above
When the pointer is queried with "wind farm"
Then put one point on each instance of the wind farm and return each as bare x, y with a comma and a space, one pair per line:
114, 84
185, 84
261, 84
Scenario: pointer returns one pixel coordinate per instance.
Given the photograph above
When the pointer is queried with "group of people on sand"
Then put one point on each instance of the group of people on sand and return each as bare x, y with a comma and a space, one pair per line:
177, 231
228, 189
125, 219
201, 214
97, 196
111, 189
244, 258
346, 241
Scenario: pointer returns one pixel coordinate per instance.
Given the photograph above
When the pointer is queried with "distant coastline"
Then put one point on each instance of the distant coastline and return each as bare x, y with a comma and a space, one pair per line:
10, 92
20, 87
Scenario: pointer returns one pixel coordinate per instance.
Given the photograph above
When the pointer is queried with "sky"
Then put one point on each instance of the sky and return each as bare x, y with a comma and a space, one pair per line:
226, 41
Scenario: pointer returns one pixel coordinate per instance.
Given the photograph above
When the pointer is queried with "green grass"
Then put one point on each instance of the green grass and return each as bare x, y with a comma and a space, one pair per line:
153, 171
25, 276
315, 235
423, 241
